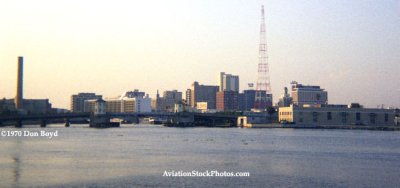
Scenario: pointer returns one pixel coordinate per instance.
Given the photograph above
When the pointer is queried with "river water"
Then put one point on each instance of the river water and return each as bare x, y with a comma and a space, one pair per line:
138, 156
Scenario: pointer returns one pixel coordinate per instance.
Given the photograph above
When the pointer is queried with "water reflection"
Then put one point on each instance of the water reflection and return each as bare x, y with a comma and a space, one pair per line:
17, 170
16, 158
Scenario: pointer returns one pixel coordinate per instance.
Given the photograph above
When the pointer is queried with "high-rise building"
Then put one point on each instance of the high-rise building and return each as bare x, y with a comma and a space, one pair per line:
227, 100
134, 101
143, 104
246, 100
156, 103
78, 101
133, 94
204, 93
169, 99
285, 100
228, 82
125, 105
189, 97
116, 105
310, 95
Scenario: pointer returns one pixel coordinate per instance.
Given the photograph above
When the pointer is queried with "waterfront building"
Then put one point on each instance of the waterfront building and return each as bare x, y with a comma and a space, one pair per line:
143, 104
133, 94
100, 107
89, 105
202, 105
21, 105
336, 115
204, 93
31, 106
263, 102
126, 105
115, 105
189, 97
179, 107
227, 101
246, 100
228, 82
156, 103
7, 106
182, 107
285, 100
37, 106
312, 95
78, 101
128, 102
169, 99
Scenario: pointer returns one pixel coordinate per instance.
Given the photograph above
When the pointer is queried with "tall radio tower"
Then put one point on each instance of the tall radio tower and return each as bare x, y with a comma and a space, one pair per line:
263, 89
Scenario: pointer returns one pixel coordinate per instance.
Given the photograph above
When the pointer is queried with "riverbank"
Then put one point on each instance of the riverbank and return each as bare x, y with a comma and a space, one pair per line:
355, 127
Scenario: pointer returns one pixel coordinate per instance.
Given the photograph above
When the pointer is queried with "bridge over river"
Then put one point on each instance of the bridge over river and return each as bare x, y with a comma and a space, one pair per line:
174, 119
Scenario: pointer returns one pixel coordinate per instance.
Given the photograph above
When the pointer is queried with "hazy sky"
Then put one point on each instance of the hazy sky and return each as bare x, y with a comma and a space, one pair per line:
349, 47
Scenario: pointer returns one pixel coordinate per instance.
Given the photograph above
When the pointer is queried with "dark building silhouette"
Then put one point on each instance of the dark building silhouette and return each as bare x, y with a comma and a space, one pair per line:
246, 100
203, 93
21, 105
78, 101
227, 101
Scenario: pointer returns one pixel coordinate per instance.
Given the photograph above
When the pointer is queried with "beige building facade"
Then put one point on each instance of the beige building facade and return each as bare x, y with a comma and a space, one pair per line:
339, 115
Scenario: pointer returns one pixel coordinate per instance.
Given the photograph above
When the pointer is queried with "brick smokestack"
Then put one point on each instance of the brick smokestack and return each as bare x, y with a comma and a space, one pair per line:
20, 88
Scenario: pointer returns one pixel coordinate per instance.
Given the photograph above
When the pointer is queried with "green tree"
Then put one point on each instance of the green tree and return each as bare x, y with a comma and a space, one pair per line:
270, 111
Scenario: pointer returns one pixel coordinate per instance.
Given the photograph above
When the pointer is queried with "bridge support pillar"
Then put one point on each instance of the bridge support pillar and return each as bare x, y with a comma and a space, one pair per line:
135, 120
102, 121
67, 123
43, 123
18, 124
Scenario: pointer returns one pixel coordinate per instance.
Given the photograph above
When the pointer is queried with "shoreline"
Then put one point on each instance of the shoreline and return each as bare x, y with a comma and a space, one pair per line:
351, 127
269, 126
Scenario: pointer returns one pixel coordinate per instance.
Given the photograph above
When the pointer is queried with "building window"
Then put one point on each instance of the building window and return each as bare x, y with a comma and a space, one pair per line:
315, 117
386, 117
358, 116
344, 117
329, 115
318, 96
372, 118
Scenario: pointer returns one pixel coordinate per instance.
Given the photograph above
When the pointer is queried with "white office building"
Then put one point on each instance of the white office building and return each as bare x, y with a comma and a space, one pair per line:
308, 95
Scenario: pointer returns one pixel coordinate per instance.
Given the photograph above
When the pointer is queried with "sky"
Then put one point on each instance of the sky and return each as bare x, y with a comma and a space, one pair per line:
350, 48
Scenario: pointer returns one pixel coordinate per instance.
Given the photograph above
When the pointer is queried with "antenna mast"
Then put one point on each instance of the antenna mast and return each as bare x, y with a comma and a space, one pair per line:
263, 88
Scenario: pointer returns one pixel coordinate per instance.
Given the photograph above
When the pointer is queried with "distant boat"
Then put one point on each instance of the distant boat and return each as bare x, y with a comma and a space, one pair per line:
115, 120
154, 120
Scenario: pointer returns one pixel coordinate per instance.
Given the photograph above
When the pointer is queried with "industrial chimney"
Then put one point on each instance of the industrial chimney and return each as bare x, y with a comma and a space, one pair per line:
19, 97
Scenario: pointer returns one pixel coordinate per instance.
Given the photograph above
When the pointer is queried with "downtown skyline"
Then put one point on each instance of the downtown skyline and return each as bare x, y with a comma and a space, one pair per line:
112, 47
